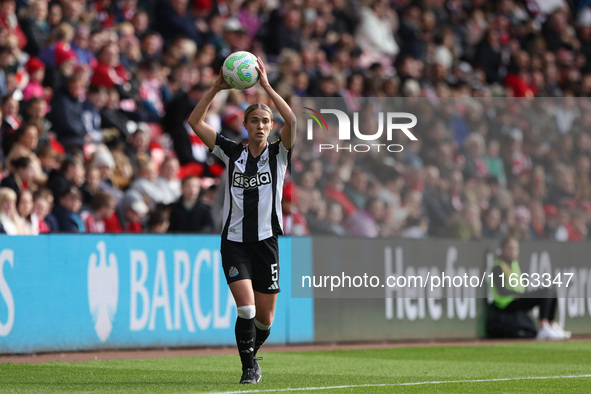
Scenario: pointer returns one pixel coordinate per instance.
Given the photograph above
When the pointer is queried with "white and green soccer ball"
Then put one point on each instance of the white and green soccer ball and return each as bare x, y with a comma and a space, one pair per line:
239, 70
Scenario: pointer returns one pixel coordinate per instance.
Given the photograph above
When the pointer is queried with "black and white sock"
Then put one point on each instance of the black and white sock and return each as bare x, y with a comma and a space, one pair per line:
245, 335
262, 333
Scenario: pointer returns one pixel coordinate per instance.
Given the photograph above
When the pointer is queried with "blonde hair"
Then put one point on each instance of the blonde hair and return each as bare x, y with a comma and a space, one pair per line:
65, 32
476, 139
143, 161
29, 12
256, 106
7, 194
126, 28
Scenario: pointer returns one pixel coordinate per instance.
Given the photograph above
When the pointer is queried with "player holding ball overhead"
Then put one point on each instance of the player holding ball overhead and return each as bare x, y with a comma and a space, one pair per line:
251, 214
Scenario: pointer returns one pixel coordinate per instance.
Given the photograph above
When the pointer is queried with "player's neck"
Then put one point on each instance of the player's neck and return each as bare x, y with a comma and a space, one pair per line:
257, 148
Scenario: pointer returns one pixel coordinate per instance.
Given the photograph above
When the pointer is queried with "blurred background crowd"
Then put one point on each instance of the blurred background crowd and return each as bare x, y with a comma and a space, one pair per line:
95, 97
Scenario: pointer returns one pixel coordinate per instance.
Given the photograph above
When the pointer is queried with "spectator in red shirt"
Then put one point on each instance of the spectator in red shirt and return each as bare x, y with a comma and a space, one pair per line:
42, 202
104, 15
21, 178
519, 79
109, 72
9, 22
102, 207
335, 191
125, 10
136, 211
294, 223
36, 70
475, 164
131, 211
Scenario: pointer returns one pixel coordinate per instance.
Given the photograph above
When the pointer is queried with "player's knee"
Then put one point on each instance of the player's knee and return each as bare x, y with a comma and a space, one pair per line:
264, 317
263, 325
246, 312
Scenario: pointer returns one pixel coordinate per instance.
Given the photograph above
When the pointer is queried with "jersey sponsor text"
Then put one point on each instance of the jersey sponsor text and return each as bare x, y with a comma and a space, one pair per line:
251, 182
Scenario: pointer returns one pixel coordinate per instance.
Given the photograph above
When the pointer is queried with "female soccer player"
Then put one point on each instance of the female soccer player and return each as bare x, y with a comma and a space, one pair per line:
252, 214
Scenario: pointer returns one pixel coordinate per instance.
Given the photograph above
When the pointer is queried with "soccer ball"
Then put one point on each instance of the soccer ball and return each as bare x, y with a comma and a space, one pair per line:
239, 70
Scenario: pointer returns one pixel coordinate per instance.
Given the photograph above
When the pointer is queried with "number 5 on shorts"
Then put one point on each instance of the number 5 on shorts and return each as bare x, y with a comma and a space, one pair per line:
274, 272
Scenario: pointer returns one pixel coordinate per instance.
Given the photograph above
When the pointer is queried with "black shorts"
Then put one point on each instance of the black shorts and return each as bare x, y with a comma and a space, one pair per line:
257, 261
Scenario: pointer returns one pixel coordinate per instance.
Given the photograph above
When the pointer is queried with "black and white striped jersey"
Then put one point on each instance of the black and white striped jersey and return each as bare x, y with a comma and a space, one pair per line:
252, 196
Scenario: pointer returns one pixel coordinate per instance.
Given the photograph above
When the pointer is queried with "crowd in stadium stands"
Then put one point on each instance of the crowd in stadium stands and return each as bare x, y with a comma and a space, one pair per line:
96, 93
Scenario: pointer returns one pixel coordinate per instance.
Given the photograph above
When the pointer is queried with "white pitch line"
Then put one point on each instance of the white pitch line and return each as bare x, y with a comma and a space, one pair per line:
404, 384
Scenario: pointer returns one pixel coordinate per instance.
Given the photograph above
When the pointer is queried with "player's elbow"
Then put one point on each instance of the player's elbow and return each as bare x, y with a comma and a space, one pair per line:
197, 127
193, 121
291, 120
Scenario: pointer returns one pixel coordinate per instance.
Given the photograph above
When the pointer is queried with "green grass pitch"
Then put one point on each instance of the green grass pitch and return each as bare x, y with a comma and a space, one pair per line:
519, 367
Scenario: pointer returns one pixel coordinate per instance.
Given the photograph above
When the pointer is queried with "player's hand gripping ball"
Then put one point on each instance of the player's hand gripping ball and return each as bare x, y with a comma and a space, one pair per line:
239, 70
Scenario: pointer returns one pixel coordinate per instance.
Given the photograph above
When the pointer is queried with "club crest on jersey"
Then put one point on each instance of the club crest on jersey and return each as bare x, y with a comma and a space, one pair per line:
262, 162
251, 182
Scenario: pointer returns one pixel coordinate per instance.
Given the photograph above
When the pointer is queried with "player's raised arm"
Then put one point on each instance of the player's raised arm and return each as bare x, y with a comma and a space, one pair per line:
197, 117
288, 130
